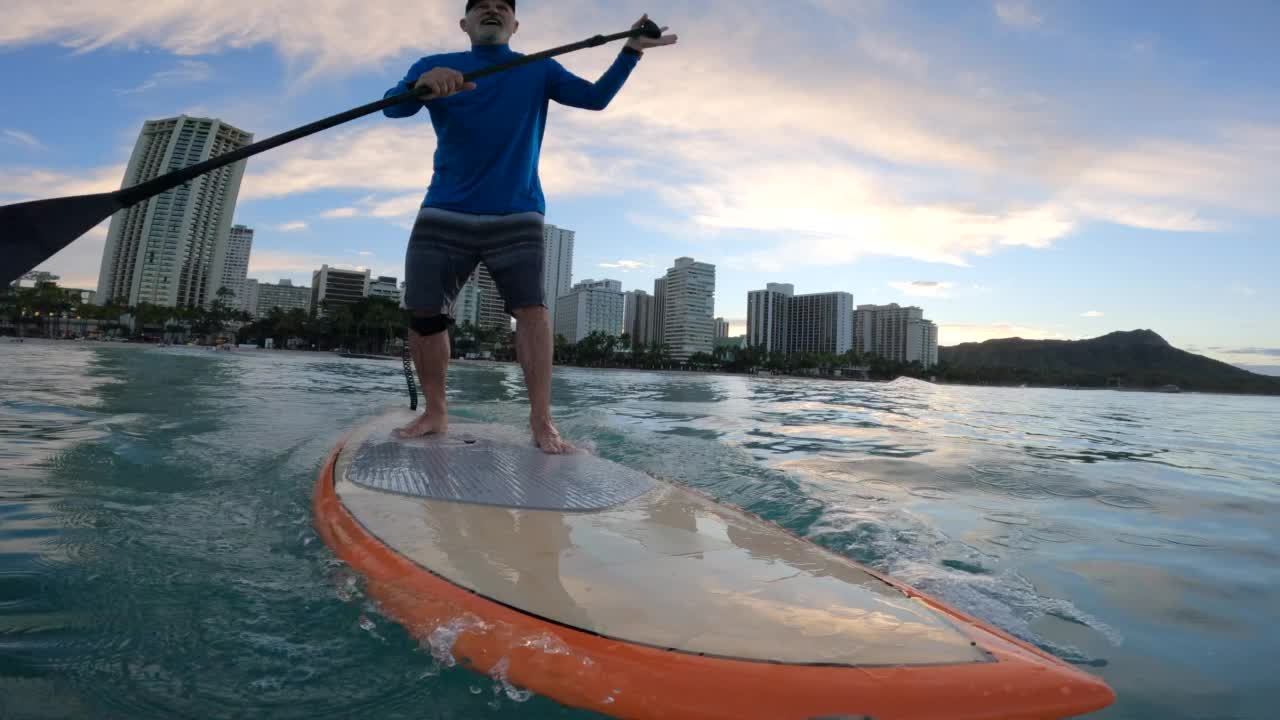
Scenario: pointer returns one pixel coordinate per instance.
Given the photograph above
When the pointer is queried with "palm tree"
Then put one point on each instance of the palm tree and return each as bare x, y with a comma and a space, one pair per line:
565, 351
608, 344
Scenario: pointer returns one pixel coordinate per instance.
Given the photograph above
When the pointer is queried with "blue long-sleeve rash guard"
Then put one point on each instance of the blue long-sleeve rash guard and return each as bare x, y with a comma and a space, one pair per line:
488, 140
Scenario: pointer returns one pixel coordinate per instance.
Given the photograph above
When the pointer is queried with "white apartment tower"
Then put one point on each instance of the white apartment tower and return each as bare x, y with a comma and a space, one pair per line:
385, 287
466, 307
231, 264
640, 317
896, 333
336, 286
557, 267
778, 320
171, 249
249, 297
767, 317
591, 306
689, 308
284, 295
658, 329
820, 323
479, 302
722, 328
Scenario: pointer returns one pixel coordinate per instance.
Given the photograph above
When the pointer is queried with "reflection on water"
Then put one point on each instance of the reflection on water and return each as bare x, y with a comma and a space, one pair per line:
157, 557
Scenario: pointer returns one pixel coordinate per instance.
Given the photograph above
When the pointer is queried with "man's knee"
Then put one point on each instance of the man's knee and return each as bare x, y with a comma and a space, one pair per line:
427, 323
530, 312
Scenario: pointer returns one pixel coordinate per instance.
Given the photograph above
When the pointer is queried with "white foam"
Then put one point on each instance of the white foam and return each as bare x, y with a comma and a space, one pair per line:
502, 684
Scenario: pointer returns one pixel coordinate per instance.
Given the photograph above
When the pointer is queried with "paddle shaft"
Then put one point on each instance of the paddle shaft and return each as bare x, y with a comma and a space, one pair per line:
137, 193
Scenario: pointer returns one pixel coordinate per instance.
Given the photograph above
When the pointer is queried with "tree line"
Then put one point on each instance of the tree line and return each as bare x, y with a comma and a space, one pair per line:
375, 325
47, 310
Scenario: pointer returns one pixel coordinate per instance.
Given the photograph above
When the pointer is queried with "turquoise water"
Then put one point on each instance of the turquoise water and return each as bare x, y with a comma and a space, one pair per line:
157, 557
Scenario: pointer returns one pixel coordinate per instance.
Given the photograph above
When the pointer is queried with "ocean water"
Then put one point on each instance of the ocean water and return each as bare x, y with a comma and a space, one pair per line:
157, 558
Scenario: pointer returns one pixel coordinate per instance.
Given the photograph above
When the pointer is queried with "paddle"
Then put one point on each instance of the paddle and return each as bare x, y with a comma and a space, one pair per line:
32, 232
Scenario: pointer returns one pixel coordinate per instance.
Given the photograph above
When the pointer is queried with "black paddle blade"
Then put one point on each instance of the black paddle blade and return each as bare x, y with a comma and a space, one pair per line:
32, 232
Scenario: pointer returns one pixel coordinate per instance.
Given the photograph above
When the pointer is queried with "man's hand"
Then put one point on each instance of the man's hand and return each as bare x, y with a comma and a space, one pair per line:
644, 43
442, 82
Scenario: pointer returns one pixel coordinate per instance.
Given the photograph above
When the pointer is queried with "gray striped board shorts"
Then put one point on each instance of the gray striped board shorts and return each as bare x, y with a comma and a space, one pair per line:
445, 246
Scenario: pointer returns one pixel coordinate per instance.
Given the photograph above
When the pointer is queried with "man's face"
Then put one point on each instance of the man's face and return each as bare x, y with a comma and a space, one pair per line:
490, 22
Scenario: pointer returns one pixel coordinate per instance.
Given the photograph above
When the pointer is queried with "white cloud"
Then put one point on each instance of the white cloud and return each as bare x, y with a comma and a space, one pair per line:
77, 264
373, 158
833, 215
920, 159
1252, 356
924, 288
19, 184
188, 72
294, 226
1146, 216
894, 55
625, 265
1092, 314
25, 139
331, 37
1017, 13
954, 334
265, 264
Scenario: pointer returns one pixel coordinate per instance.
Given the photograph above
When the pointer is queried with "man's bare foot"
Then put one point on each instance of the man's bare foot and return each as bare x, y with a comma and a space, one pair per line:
546, 437
425, 424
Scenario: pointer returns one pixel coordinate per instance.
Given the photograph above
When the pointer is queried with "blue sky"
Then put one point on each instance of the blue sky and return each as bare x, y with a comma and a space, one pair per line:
1015, 167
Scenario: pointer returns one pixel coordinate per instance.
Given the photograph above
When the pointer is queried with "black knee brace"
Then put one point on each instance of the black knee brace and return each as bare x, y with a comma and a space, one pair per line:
430, 325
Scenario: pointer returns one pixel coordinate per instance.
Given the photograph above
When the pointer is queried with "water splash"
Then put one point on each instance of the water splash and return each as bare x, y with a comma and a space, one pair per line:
443, 637
502, 684
545, 643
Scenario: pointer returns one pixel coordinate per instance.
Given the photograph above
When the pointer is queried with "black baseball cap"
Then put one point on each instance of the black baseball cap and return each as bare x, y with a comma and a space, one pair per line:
510, 3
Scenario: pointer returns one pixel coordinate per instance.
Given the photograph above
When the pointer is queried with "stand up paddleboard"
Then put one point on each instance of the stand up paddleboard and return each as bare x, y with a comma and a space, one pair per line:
606, 589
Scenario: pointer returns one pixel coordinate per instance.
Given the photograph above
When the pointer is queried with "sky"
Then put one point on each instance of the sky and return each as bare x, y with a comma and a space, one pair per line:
1017, 168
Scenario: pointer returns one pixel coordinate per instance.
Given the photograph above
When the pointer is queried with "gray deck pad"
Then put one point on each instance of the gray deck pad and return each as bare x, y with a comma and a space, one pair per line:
480, 463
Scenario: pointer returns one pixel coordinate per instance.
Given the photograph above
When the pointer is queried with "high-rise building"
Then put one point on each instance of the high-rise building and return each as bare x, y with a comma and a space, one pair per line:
689, 307
722, 328
896, 333
778, 320
479, 302
820, 323
163, 250
231, 265
658, 330
490, 308
337, 286
557, 267
284, 295
922, 343
249, 297
385, 287
640, 319
591, 306
466, 307
767, 317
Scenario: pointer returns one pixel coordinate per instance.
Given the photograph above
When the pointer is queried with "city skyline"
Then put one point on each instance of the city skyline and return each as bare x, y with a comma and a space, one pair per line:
955, 159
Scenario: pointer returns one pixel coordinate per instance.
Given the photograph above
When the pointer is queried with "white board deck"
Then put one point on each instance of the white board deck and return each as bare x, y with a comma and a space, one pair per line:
666, 568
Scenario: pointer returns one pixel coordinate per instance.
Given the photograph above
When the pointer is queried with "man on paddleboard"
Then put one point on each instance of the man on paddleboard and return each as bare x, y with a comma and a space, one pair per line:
485, 201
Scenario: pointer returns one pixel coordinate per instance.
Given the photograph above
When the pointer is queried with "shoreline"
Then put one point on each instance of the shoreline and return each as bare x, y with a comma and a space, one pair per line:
671, 371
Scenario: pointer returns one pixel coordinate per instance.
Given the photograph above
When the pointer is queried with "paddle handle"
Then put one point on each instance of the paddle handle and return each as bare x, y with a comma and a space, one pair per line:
151, 188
